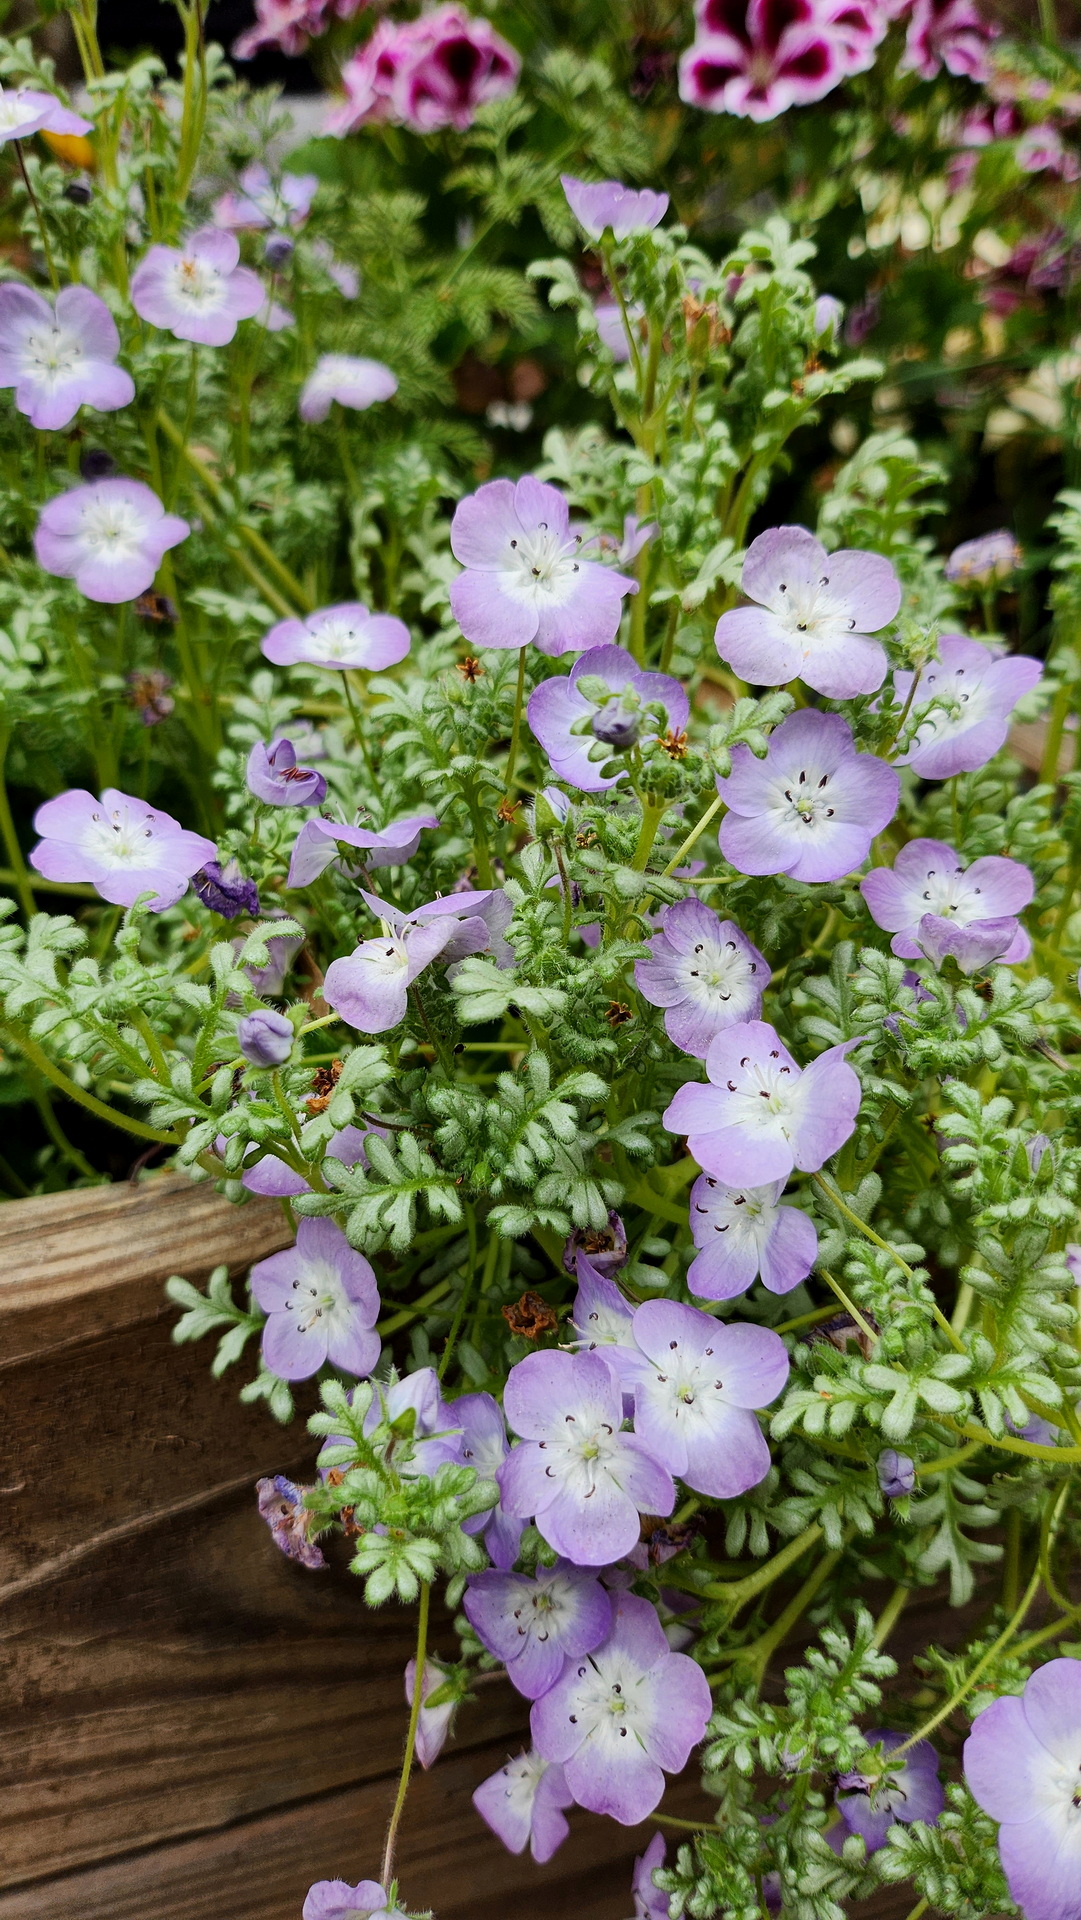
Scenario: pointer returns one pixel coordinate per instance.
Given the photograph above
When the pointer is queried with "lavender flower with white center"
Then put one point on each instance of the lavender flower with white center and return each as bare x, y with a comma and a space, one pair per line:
485, 1446
60, 358
260, 204
350, 379
275, 1180
896, 1473
369, 987
197, 291
121, 845
536, 1624
761, 1114
322, 1304
979, 563
437, 1436
605, 705
704, 972
934, 905
24, 111
433, 1723
602, 206
225, 890
523, 1802
335, 1900
265, 1038
963, 705
815, 610
694, 1405
338, 639
604, 1323
1022, 1763
605, 1248
273, 776
524, 575
320, 843
108, 537
581, 1478
812, 807
911, 1790
745, 1232
281, 1505
649, 1902
623, 1716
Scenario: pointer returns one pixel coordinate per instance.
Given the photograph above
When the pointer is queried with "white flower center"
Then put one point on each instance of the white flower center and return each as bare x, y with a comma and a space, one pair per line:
317, 1296
542, 566
51, 355
960, 701
197, 285
715, 970
112, 528
546, 1611
333, 640
13, 110
765, 1098
613, 1699
951, 895
811, 612
582, 1456
805, 800
118, 840
747, 1213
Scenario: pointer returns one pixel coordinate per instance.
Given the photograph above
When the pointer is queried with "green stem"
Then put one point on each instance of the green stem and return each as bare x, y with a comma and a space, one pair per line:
890, 1614
758, 1655
961, 1692
836, 1200
849, 1306
72, 1091
60, 1139
696, 831
647, 833
54, 277
738, 1592
467, 1288
248, 534
411, 1735
516, 729
20, 877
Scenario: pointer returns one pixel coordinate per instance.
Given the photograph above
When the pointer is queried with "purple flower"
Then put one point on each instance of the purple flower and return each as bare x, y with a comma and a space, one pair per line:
198, 291
320, 842
991, 557
1041, 150
281, 1505
603, 204
348, 378
23, 112
60, 360
433, 1723
121, 845
934, 905
271, 1177
525, 1801
969, 694
1022, 1763
649, 1902
812, 807
536, 1624
704, 972
321, 1300
1072, 1256
265, 1038
693, 1406
613, 331
576, 1473
827, 317
912, 1791
274, 777
814, 613
225, 890
742, 1232
436, 1437
619, 1716
896, 1473
524, 578
950, 33
338, 638
602, 707
485, 1447
261, 204
755, 62
370, 986
334, 1900
605, 1248
108, 537
604, 1323
636, 535
761, 1115
287, 24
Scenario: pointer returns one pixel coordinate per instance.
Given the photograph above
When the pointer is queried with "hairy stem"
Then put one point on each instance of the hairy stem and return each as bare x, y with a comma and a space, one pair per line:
411, 1736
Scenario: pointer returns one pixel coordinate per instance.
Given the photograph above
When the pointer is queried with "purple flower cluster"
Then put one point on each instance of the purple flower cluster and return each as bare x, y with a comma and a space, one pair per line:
426, 74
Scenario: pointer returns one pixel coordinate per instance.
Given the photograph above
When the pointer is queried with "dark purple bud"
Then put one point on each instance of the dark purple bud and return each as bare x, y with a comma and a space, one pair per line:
863, 319
265, 1038
617, 725
96, 464
277, 250
79, 193
225, 890
896, 1473
606, 1249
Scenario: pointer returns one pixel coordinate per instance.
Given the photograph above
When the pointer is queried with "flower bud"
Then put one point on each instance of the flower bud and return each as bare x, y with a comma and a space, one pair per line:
617, 724
265, 1038
896, 1473
277, 250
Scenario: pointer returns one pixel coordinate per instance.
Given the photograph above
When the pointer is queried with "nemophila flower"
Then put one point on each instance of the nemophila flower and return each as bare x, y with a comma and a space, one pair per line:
605, 1248
265, 1037
523, 1802
320, 843
636, 535
109, 538
369, 987
524, 575
951, 34
60, 358
433, 1723
963, 705
197, 291
1022, 1763
991, 557
934, 905
814, 613
598, 205
335, 1900
649, 1902
338, 638
812, 807
604, 1323
350, 379
910, 1791
261, 203
281, 1505
275, 1180
535, 1624
745, 1232
273, 776
761, 1114
484, 1445
754, 61
602, 707
704, 972
896, 1473
575, 1472
122, 846
225, 890
321, 1303
623, 1716
24, 111
436, 1436
693, 1405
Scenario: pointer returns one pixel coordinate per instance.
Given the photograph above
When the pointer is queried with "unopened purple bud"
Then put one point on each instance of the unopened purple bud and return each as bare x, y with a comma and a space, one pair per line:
617, 725
225, 890
896, 1473
1035, 1149
265, 1038
96, 464
277, 250
605, 1249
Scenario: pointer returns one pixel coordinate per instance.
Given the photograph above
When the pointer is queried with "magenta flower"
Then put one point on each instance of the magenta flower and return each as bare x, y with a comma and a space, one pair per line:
281, 1505
523, 1802
951, 34
963, 704
602, 204
1022, 1762
604, 1323
704, 972
934, 905
348, 378
61, 359
273, 776
271, 1177
1041, 150
575, 1472
649, 1902
23, 112
485, 1447
321, 842
265, 1037
370, 986
754, 61
991, 557
198, 291
745, 1232
693, 1405
896, 1473
536, 1624
109, 538
321, 1302
285, 24
426, 74
260, 203
604, 706
433, 1723
911, 1791
338, 638
524, 577
120, 844
761, 1115
815, 612
623, 1716
812, 807
335, 1900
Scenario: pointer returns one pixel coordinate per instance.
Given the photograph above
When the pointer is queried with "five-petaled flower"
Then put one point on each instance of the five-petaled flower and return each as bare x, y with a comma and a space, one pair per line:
962, 706
761, 1114
934, 905
121, 845
350, 379
601, 205
321, 842
60, 358
1022, 1762
980, 562
338, 638
535, 1624
484, 1447
275, 778
321, 1303
335, 1900
813, 615
523, 1803
426, 74
909, 1791
604, 706
525, 578
109, 537
704, 972
743, 1232
24, 111
694, 1402
604, 1322
812, 807
370, 986
198, 291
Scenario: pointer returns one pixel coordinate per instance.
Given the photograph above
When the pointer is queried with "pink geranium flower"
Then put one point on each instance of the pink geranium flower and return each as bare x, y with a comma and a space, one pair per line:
197, 291
755, 58
60, 358
426, 74
951, 34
